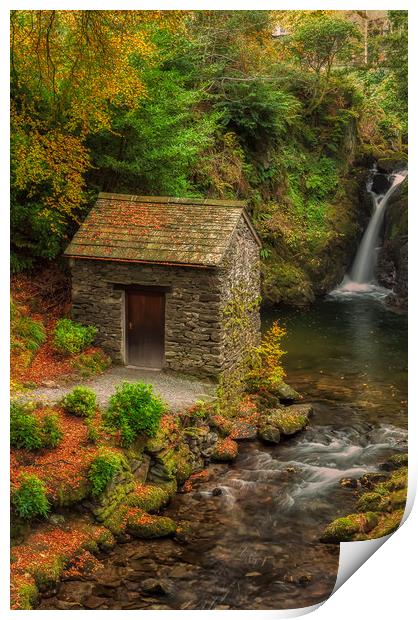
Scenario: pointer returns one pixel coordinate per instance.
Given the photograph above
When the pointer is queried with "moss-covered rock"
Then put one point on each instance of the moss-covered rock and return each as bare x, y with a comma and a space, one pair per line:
222, 425
148, 497
371, 502
224, 451
243, 431
388, 523
288, 420
286, 283
269, 433
286, 394
142, 525
348, 528
116, 521
396, 462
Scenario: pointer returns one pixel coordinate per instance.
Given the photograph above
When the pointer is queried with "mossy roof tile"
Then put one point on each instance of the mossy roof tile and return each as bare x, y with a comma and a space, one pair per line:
158, 229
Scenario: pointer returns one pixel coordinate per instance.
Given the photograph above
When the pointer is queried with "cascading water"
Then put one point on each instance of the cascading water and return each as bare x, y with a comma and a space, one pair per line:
361, 276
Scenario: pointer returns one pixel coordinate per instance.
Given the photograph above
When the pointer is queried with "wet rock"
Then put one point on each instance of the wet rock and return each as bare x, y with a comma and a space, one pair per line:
287, 420
217, 491
301, 579
286, 394
370, 479
349, 527
94, 602
349, 483
154, 586
269, 433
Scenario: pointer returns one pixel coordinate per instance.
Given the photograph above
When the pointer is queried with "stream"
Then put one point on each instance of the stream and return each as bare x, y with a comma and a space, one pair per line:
254, 543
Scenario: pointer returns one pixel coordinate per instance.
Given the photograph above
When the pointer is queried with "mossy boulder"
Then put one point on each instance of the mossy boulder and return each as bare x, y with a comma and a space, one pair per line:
286, 394
396, 461
348, 528
243, 431
222, 425
142, 525
371, 502
116, 521
224, 450
269, 433
148, 497
287, 420
388, 523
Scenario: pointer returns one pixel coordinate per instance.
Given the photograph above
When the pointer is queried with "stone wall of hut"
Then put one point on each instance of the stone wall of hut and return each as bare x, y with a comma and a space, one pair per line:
199, 333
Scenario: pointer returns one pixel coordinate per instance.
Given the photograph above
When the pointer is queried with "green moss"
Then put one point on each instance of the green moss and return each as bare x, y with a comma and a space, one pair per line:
26, 596
116, 521
371, 501
143, 525
285, 283
287, 420
399, 460
46, 575
149, 498
347, 528
388, 523
106, 541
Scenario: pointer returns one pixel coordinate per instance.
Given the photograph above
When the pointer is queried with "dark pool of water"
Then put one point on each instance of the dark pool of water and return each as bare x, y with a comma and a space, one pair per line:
256, 545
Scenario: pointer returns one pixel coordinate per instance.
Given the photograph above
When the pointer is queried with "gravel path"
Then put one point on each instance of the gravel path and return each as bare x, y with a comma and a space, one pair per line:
177, 390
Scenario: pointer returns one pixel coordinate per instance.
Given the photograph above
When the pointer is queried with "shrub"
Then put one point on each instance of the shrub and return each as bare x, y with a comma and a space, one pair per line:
81, 402
265, 369
93, 363
135, 410
71, 337
29, 432
51, 431
25, 428
29, 498
103, 469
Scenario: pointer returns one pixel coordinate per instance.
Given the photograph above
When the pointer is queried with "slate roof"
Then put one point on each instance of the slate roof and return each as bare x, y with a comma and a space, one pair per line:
158, 229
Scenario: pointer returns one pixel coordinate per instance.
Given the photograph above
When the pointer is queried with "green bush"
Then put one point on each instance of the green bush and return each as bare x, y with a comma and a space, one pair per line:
89, 364
51, 431
134, 410
29, 498
28, 432
103, 469
71, 337
81, 402
25, 428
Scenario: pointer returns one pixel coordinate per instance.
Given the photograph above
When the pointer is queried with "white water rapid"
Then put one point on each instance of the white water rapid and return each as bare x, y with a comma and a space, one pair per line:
360, 279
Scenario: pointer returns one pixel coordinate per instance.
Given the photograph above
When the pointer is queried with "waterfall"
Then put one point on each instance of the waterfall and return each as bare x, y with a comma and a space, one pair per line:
361, 275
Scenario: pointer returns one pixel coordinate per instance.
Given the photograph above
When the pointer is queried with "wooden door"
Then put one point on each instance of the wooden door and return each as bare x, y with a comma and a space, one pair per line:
145, 328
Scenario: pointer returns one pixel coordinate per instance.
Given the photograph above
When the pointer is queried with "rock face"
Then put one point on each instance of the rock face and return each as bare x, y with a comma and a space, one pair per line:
392, 268
202, 306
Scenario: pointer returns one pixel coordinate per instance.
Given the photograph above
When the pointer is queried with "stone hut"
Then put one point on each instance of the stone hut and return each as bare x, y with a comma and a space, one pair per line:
170, 282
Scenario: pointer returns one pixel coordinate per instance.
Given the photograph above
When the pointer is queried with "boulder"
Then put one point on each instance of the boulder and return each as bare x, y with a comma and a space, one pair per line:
288, 420
350, 527
142, 525
286, 394
242, 431
225, 450
269, 433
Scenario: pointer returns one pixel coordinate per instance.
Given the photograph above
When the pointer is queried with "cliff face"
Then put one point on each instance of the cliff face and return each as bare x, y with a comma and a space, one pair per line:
392, 269
297, 278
